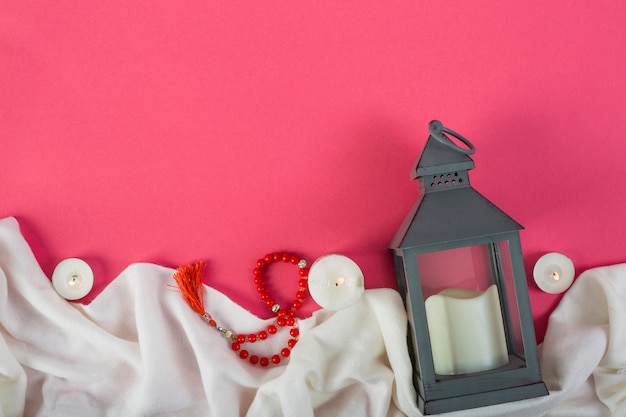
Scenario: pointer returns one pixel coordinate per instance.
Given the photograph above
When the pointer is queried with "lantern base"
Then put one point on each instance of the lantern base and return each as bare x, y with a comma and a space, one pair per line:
482, 399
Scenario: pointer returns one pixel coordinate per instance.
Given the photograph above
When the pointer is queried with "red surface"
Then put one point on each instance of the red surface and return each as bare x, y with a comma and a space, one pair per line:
173, 131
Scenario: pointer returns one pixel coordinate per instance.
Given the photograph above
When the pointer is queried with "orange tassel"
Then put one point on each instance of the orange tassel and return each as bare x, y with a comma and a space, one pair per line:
189, 280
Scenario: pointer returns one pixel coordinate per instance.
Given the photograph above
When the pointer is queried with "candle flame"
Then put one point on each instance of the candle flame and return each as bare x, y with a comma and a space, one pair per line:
556, 276
74, 280
340, 281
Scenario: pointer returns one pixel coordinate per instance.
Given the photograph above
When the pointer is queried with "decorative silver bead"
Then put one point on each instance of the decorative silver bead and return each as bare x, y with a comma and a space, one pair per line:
275, 308
225, 332
302, 263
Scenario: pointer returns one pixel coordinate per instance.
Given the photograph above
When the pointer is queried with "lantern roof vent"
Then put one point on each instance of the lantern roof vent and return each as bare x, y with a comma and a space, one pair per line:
441, 155
448, 209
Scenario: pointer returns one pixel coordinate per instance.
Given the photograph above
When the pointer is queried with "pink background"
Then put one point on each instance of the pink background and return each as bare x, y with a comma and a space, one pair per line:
167, 131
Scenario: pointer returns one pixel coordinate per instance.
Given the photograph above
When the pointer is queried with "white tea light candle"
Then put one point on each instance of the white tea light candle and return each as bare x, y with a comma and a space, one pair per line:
72, 278
554, 273
335, 282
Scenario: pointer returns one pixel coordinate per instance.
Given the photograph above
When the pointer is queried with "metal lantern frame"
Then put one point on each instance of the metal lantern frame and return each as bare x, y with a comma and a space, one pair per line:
451, 215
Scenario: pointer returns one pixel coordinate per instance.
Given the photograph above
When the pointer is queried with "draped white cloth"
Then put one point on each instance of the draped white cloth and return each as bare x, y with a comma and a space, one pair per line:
139, 350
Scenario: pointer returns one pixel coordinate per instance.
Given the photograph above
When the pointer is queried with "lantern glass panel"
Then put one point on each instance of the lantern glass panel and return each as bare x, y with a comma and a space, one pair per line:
514, 326
471, 309
468, 267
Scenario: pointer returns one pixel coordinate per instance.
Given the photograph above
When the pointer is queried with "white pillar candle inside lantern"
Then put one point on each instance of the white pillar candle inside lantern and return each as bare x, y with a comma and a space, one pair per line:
466, 331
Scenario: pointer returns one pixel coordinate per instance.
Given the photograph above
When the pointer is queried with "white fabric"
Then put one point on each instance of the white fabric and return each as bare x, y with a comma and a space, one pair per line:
139, 350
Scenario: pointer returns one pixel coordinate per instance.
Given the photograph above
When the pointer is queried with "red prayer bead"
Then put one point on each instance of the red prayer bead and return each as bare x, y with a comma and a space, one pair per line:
261, 288
285, 317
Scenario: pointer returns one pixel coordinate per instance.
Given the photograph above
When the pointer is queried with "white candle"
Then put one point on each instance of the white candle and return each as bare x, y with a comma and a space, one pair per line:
72, 278
335, 282
554, 273
466, 331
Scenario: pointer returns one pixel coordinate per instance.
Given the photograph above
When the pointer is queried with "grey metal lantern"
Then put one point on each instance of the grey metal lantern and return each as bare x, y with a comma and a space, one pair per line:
460, 271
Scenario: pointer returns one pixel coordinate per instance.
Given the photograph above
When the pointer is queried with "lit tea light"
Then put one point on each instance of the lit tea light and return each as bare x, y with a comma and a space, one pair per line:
72, 278
335, 282
554, 273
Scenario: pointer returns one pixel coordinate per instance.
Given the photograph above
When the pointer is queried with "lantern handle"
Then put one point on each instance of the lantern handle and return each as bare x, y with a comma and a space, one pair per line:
437, 130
